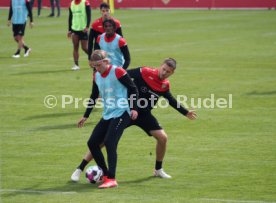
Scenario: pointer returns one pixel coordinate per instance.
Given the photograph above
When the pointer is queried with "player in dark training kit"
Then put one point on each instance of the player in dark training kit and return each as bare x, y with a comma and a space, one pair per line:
151, 84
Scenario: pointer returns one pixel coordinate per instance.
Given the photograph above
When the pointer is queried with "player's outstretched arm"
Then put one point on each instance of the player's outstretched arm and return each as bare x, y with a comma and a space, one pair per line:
191, 115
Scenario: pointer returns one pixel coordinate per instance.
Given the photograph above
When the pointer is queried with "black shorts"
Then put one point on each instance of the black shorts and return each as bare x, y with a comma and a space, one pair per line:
18, 29
82, 35
147, 122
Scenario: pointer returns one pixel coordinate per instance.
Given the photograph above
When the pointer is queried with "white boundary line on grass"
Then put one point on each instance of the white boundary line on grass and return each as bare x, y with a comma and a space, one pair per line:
38, 191
234, 201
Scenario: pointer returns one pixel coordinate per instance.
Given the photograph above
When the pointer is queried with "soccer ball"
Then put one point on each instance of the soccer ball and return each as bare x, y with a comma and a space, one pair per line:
94, 174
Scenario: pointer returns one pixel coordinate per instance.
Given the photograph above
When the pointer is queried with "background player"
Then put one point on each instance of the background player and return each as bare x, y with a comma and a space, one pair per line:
114, 44
97, 27
78, 25
19, 10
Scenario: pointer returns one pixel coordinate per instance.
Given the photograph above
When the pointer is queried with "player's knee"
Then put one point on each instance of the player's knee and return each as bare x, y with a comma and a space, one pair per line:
91, 144
162, 138
84, 49
108, 144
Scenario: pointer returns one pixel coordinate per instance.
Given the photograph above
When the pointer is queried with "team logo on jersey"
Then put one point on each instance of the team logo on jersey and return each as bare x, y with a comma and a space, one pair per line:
166, 1
108, 90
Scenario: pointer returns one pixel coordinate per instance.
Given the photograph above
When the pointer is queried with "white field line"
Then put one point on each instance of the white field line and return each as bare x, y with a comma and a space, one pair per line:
233, 201
37, 191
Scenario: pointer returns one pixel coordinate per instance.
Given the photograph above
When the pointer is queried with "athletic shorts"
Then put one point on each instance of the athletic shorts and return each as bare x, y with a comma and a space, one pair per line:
147, 122
18, 29
82, 35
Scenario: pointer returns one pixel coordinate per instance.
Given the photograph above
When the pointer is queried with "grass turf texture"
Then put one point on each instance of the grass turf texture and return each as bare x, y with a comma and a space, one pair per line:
227, 155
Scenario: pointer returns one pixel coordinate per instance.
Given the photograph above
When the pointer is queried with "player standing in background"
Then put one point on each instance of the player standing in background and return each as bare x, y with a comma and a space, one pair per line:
52, 2
78, 25
151, 83
114, 85
39, 6
97, 27
19, 10
114, 44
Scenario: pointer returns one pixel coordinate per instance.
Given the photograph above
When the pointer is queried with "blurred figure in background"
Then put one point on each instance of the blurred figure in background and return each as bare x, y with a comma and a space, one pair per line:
114, 44
39, 6
78, 25
18, 13
52, 14
97, 27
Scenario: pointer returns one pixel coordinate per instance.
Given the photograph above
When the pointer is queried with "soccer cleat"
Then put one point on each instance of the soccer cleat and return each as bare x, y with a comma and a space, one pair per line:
161, 173
103, 179
108, 183
76, 175
75, 67
27, 52
16, 56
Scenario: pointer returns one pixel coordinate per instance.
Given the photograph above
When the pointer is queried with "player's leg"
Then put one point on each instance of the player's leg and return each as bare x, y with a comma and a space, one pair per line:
161, 145
86, 159
75, 41
52, 14
84, 45
97, 137
150, 125
113, 135
38, 7
16, 36
58, 7
20, 31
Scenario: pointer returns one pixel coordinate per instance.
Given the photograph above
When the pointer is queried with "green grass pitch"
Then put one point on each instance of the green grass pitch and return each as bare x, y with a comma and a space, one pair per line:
227, 155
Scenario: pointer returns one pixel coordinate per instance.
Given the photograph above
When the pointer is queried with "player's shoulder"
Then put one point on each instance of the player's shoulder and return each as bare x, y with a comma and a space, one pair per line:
97, 22
117, 22
122, 41
120, 72
87, 3
147, 70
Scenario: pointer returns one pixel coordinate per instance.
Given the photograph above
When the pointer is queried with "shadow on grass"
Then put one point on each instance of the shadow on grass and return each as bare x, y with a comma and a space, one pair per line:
57, 127
62, 127
43, 72
69, 188
137, 180
256, 93
53, 115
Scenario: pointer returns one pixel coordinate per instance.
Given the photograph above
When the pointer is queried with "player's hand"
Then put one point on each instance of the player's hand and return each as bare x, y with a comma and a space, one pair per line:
8, 23
81, 122
85, 30
191, 115
133, 114
69, 34
31, 24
